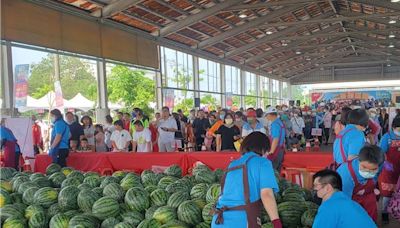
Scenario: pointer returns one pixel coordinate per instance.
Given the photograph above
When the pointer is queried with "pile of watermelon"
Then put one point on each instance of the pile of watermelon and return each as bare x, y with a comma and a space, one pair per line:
67, 198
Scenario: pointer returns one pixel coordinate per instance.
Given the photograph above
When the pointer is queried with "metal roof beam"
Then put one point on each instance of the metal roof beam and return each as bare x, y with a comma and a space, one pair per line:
362, 63
115, 7
379, 3
270, 4
195, 18
375, 20
267, 38
243, 28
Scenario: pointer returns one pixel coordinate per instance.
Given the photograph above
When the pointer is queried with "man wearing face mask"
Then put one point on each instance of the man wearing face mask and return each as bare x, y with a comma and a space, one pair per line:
351, 139
337, 210
390, 144
359, 177
252, 124
277, 138
76, 130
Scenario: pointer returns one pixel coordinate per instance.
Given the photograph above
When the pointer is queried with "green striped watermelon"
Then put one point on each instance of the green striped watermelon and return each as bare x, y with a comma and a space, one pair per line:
46, 197
200, 203
199, 191
66, 170
110, 222
115, 191
6, 186
93, 181
108, 180
119, 174
5, 198
57, 179
86, 198
203, 225
174, 170
165, 181
18, 181
14, 222
205, 177
311, 205
149, 189
123, 208
67, 198
59, 220
207, 213
129, 181
83, 221
43, 182
288, 197
70, 182
290, 213
132, 217
178, 185
165, 214
16, 197
98, 191
34, 176
307, 219
150, 212
76, 175
123, 225
27, 197
149, 179
32, 209
213, 193
53, 168
10, 210
38, 220
177, 198
137, 199
159, 197
219, 173
189, 213
105, 207
84, 186
91, 174
72, 213
149, 223
199, 168
24, 186
53, 210
6, 173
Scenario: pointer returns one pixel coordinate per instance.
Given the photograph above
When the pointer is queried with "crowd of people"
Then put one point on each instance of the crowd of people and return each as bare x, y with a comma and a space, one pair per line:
365, 150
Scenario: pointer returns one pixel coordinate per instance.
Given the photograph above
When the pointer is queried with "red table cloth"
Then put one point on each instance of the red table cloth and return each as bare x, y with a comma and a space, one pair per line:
138, 162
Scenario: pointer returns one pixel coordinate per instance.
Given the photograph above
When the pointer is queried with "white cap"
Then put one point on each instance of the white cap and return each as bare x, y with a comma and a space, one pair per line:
270, 110
372, 110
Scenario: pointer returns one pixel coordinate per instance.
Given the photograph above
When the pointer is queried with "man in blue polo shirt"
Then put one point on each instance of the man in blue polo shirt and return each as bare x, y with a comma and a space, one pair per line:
359, 177
351, 139
277, 138
337, 209
9, 146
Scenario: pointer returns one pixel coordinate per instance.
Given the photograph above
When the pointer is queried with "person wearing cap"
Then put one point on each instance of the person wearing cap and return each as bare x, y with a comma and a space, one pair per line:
351, 139
252, 124
277, 138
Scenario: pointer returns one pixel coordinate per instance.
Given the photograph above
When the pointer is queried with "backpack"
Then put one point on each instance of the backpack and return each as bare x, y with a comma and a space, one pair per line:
394, 203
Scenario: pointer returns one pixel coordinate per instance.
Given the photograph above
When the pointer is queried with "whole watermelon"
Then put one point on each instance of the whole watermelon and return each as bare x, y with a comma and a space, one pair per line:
189, 213
84, 186
159, 197
59, 220
83, 221
149, 179
52, 168
149, 189
67, 170
108, 180
178, 185
165, 181
70, 182
86, 199
14, 222
110, 222
174, 170
115, 191
177, 198
199, 168
105, 207
207, 213
199, 191
205, 176
38, 220
93, 181
18, 181
129, 181
132, 217
6, 186
10, 210
24, 186
57, 179
290, 213
43, 182
34, 176
6, 173
5, 198
76, 175
67, 198
32, 209
137, 199
53, 210
149, 223
165, 214
46, 197
150, 212
213, 193
307, 219
98, 191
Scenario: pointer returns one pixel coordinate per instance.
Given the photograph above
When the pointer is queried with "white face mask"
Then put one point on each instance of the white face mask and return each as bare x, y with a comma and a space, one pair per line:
367, 174
373, 115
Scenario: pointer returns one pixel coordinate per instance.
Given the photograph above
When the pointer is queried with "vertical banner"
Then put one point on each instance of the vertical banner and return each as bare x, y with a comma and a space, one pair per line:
169, 98
21, 85
59, 96
229, 101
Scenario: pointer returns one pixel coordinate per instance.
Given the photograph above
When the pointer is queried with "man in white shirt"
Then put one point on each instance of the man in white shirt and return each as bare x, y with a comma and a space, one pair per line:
120, 138
167, 127
297, 124
141, 139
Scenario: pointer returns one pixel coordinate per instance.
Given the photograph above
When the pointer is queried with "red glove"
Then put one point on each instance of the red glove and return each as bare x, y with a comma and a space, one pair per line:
277, 223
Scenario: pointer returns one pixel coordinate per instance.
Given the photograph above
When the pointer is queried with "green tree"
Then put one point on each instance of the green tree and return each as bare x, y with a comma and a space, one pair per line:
131, 87
185, 104
298, 93
75, 76
236, 101
209, 101
251, 100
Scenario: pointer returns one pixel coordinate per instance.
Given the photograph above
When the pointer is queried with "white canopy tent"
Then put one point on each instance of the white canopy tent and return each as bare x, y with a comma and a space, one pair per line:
79, 102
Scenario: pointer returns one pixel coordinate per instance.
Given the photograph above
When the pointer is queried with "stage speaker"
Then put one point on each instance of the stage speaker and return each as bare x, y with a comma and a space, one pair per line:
291, 103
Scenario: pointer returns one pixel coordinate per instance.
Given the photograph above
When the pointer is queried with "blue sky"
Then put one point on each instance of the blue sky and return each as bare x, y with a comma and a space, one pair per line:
26, 56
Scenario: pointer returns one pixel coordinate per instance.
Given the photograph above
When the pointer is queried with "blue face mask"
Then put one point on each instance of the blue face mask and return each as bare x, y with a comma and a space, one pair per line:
367, 174
221, 117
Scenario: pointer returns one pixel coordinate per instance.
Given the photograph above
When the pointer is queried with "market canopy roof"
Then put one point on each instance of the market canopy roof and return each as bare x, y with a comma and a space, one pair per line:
284, 39
79, 102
